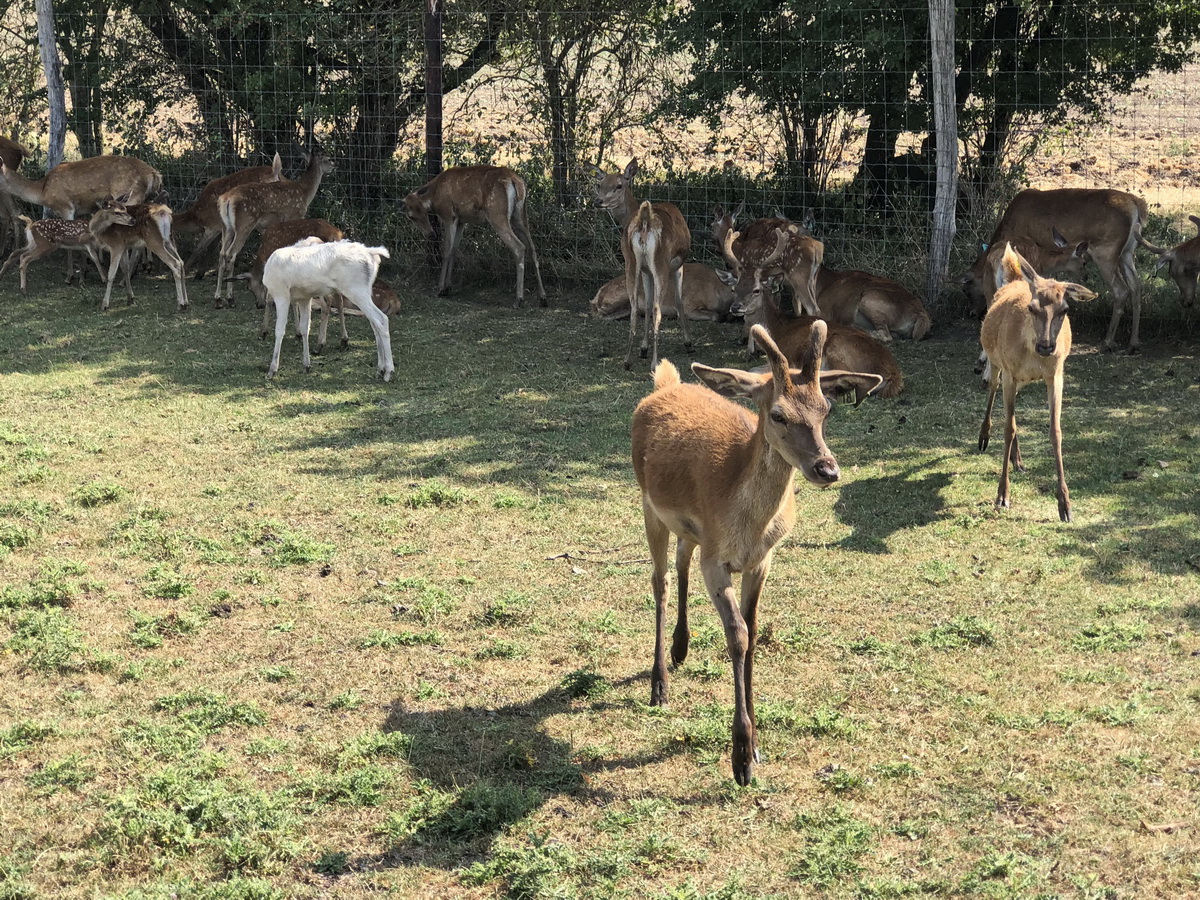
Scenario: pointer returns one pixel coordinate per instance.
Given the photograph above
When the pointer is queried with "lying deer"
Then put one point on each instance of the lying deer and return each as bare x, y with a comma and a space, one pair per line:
706, 297
720, 478
47, 235
252, 207
655, 242
878, 305
149, 226
477, 195
847, 348
205, 217
1027, 337
1183, 264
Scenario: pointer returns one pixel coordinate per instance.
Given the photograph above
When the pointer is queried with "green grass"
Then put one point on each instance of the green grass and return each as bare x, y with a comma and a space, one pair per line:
333, 637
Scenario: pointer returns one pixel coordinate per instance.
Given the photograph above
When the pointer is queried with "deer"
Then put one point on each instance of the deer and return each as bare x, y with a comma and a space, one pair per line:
47, 235
655, 243
477, 195
720, 478
880, 306
760, 229
149, 227
12, 154
203, 215
1182, 263
1027, 337
786, 253
313, 268
75, 188
252, 207
1059, 257
384, 297
706, 297
1109, 221
847, 348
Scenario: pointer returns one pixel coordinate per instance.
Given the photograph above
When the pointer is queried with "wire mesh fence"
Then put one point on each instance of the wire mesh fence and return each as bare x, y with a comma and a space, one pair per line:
818, 111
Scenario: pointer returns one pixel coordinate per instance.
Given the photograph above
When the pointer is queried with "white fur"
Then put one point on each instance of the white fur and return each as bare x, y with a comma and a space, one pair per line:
312, 268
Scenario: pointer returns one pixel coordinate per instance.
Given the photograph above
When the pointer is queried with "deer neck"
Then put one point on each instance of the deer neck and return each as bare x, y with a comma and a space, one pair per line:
27, 189
767, 481
623, 214
310, 181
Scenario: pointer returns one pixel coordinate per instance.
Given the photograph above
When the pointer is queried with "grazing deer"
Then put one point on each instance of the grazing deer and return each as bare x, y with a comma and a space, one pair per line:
1183, 264
880, 306
785, 252
847, 348
1109, 221
720, 478
252, 207
203, 215
655, 242
149, 227
76, 188
706, 297
47, 235
386, 300
476, 195
1027, 337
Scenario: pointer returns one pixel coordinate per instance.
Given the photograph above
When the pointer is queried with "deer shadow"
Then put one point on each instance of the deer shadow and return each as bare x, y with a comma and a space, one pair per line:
876, 508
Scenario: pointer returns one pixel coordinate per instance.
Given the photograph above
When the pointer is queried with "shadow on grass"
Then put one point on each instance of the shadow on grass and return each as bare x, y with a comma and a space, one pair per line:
876, 508
482, 770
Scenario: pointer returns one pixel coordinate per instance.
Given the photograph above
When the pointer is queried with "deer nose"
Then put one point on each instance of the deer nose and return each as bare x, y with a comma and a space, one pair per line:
826, 469
1045, 348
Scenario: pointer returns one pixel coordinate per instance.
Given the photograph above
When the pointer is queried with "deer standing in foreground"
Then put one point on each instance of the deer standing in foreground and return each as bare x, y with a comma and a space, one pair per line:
149, 226
252, 207
1027, 337
720, 478
655, 243
1183, 264
476, 195
205, 217
47, 235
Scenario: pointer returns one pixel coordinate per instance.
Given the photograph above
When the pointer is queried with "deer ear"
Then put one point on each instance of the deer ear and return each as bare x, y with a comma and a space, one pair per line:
631, 168
595, 171
741, 208
1077, 293
862, 383
733, 383
1014, 267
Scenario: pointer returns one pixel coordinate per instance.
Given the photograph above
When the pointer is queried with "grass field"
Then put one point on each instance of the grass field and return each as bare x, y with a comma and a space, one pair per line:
328, 637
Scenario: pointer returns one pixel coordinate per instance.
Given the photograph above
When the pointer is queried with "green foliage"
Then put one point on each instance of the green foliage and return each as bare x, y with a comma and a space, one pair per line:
585, 684
434, 493
959, 633
209, 712
100, 492
23, 735
835, 842
149, 631
390, 640
51, 642
1109, 636
55, 585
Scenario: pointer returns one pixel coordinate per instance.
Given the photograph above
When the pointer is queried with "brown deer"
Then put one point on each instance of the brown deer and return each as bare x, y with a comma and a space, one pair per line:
1183, 264
252, 207
758, 230
880, 306
1027, 337
47, 235
149, 227
12, 154
386, 301
706, 297
785, 252
1060, 257
655, 243
846, 348
203, 215
477, 195
720, 478
1109, 221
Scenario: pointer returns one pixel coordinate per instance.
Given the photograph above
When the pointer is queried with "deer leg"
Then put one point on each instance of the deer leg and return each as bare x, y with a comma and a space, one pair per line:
985, 429
633, 282
676, 280
521, 226
342, 322
1054, 392
683, 563
206, 239
281, 323
653, 292
303, 326
719, 582
1133, 287
114, 262
516, 246
267, 308
450, 239
170, 256
752, 585
1010, 435
379, 324
658, 536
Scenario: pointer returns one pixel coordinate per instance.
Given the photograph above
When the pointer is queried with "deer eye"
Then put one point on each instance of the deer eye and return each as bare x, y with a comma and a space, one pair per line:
777, 416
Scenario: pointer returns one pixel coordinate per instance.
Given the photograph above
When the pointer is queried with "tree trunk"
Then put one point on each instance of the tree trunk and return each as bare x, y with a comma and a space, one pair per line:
52, 68
941, 40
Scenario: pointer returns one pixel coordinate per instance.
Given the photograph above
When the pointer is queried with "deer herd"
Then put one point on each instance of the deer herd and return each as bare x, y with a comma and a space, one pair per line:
712, 473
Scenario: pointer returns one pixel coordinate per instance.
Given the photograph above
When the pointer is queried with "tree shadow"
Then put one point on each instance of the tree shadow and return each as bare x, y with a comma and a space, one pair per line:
480, 770
876, 508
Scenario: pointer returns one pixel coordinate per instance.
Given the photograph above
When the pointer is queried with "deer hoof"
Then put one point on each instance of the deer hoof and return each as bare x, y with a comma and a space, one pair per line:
658, 693
345, 343
543, 301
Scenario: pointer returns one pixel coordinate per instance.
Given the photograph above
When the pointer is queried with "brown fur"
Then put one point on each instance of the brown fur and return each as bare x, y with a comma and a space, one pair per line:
786, 252
877, 305
284, 234
1027, 337
477, 195
1183, 264
706, 298
1109, 221
47, 235
150, 227
720, 478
